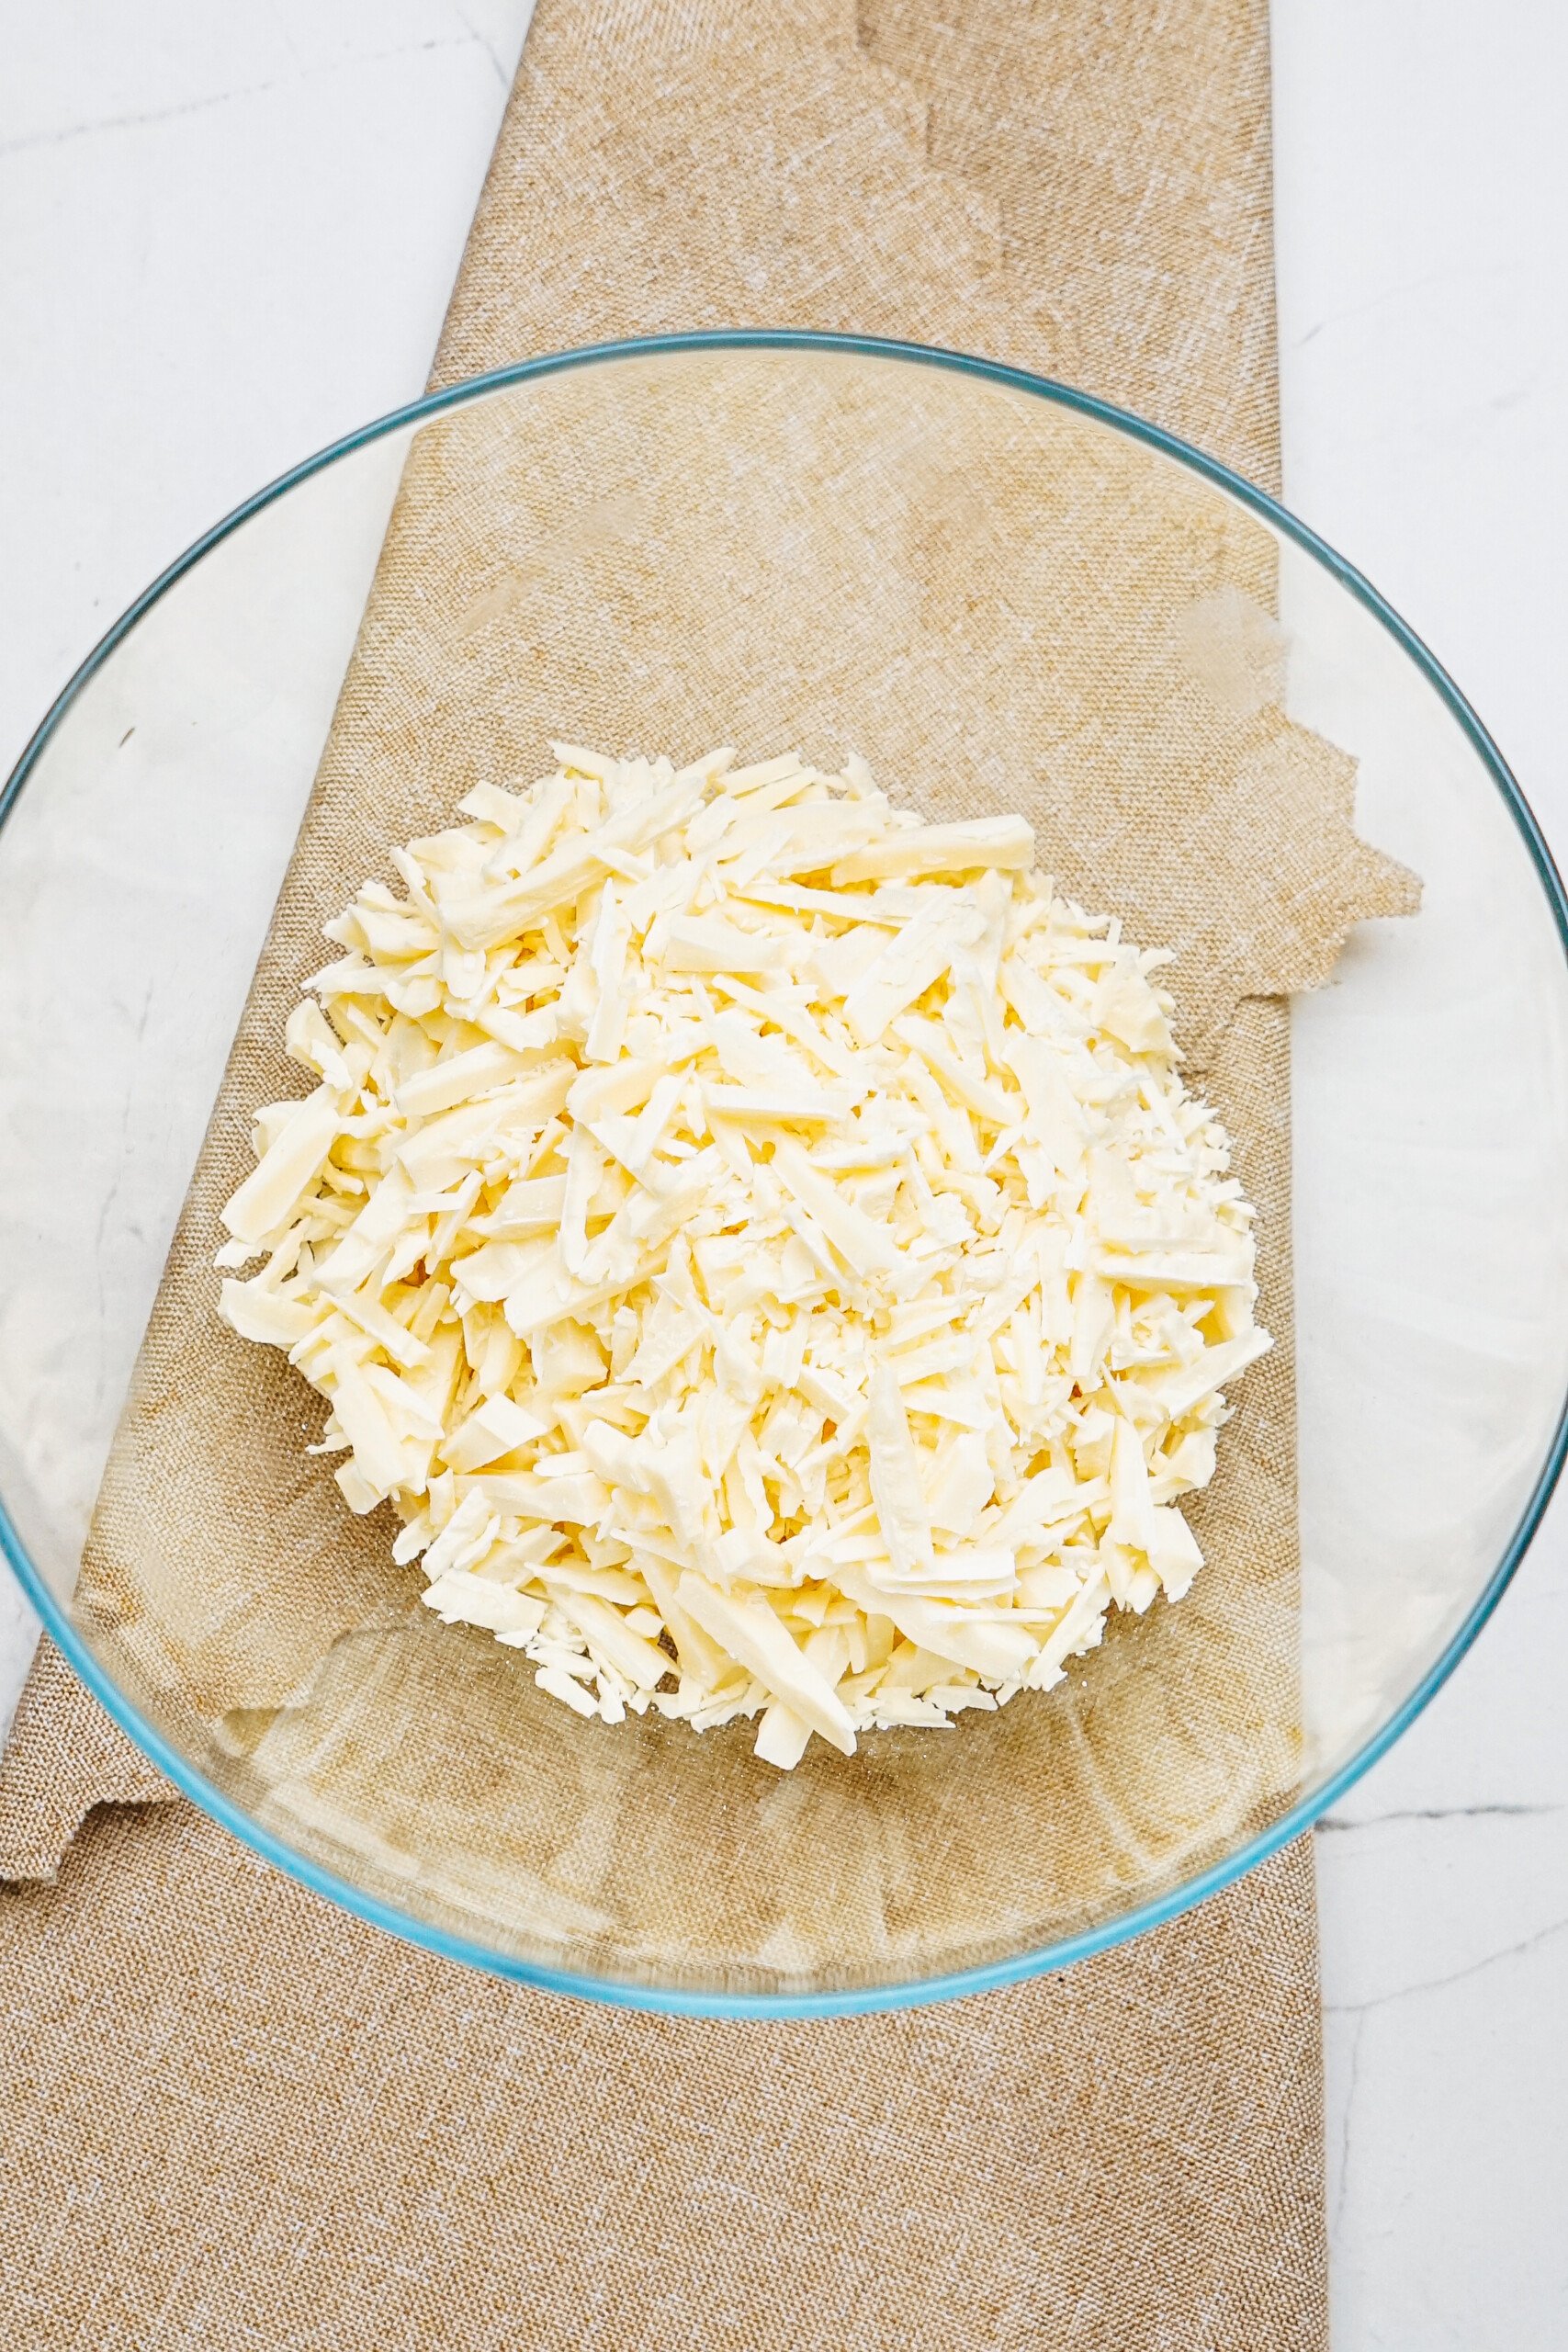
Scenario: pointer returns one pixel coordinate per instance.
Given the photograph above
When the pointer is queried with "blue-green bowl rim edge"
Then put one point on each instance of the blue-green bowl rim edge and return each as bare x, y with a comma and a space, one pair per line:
849, 2000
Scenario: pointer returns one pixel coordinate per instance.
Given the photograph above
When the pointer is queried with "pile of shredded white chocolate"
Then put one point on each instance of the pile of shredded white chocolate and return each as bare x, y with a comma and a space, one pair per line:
760, 1243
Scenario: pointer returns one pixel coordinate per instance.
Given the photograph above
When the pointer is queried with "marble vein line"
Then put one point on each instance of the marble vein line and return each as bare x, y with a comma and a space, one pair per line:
62, 137
1541, 1936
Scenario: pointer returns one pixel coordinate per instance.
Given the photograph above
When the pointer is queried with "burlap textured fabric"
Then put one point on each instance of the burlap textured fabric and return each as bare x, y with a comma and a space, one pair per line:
659, 2183
236, 2118
62, 1758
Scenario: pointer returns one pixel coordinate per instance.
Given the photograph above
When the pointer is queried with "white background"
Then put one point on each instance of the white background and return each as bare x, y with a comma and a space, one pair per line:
228, 234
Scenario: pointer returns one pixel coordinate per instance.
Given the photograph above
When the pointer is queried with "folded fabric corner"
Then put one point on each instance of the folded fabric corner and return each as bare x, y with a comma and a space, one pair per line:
63, 1756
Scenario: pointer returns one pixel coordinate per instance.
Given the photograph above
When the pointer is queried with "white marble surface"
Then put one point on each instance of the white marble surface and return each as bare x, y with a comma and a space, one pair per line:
1422, 198
229, 236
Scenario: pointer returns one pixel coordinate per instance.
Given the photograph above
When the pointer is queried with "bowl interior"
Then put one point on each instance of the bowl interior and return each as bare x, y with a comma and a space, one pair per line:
1004, 599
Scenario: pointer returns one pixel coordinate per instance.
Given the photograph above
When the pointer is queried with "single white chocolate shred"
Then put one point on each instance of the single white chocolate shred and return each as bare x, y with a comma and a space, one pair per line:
761, 1245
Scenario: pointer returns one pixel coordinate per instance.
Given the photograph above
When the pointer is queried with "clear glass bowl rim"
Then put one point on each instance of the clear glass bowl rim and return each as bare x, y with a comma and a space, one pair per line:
1048, 1958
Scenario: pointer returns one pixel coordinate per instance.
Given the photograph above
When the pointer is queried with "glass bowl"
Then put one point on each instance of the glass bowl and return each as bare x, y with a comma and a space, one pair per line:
999, 590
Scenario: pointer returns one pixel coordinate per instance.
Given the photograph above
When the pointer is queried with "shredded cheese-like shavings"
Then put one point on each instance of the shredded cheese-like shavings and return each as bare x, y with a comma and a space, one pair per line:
760, 1244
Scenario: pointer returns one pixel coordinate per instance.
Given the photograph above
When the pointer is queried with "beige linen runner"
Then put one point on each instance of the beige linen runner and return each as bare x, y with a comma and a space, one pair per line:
237, 2116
